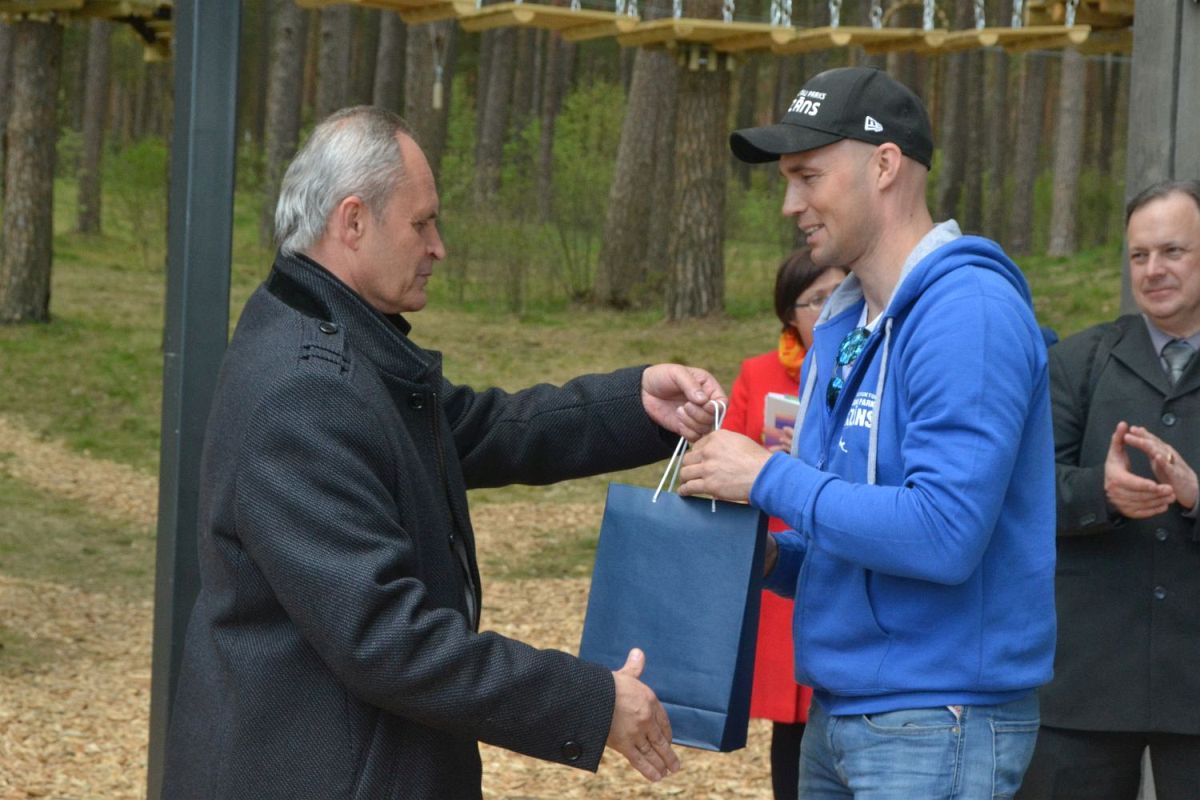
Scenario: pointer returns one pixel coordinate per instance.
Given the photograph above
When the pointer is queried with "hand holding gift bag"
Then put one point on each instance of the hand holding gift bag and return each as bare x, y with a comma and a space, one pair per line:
681, 578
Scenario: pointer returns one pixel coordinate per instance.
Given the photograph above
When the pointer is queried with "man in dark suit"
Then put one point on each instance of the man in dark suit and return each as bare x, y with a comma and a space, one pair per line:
1126, 402
334, 649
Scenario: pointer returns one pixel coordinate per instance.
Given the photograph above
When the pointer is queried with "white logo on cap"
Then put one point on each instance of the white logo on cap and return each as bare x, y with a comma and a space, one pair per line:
872, 125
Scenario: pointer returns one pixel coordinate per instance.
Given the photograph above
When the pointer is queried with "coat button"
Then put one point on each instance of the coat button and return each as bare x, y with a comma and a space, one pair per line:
1169, 419
416, 400
328, 328
1161, 534
1160, 593
572, 750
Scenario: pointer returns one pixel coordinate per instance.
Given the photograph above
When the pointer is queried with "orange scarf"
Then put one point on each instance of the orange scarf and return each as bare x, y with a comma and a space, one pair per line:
791, 352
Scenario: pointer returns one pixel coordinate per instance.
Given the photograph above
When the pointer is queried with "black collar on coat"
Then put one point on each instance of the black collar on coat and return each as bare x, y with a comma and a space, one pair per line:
314, 291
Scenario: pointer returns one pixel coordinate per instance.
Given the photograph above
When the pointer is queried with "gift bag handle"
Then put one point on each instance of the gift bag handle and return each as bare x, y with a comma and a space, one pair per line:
719, 409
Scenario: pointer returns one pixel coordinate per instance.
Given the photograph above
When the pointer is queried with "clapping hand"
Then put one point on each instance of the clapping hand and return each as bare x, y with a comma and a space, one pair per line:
1133, 496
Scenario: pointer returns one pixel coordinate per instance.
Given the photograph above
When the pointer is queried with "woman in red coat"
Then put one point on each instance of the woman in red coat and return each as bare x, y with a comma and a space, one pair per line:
800, 290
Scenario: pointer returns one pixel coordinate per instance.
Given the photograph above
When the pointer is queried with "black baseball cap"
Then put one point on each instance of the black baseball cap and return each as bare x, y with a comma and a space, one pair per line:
860, 103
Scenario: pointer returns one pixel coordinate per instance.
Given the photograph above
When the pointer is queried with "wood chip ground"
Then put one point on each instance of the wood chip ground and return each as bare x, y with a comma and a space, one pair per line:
73, 721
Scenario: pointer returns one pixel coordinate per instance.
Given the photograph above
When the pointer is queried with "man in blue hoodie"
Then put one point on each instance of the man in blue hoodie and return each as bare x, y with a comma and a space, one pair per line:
921, 482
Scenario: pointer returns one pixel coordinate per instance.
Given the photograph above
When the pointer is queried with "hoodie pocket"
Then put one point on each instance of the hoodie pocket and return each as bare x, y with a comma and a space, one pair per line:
840, 644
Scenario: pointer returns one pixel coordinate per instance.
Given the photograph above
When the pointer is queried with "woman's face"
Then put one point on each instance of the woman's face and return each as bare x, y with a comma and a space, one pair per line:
808, 305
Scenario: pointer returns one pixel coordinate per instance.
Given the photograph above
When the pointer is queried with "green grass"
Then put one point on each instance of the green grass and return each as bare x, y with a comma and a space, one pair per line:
47, 538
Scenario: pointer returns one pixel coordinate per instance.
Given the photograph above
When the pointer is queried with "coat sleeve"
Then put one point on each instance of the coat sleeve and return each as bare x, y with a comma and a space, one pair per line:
316, 514
544, 434
1082, 506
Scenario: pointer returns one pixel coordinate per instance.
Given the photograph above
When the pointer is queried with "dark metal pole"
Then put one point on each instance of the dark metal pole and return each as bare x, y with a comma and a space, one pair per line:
200, 234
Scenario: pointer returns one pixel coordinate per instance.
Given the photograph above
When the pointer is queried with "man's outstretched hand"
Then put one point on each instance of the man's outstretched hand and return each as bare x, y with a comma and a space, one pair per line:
640, 729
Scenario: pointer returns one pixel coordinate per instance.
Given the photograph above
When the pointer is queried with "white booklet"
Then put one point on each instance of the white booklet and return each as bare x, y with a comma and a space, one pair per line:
779, 412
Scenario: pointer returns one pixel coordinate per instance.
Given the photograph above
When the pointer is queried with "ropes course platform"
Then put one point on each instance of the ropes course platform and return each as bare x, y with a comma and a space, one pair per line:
150, 19
1091, 26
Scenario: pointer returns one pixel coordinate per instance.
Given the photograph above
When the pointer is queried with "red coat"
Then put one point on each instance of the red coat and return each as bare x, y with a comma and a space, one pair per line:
776, 696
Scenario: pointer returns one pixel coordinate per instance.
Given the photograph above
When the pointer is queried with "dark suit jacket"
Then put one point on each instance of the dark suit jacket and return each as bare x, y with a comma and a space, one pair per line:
333, 650
1128, 591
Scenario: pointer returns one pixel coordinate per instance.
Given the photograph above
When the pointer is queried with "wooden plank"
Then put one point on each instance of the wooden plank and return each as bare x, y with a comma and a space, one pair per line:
1108, 41
434, 12
812, 39
921, 41
1049, 37
771, 36
38, 6
536, 15
601, 30
1093, 14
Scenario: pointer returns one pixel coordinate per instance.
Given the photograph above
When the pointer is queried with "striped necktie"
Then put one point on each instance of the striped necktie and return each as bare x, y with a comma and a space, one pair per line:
1178, 354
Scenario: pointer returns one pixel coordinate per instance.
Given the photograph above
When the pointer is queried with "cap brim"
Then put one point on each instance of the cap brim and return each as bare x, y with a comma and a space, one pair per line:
768, 143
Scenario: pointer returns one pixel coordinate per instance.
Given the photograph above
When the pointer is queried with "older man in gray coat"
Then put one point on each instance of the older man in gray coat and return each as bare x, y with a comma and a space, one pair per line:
1126, 401
334, 649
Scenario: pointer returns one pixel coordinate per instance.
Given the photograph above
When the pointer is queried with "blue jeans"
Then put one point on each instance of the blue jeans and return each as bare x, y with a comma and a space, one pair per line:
960, 753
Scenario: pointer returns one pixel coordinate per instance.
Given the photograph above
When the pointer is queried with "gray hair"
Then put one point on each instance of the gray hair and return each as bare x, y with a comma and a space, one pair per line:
352, 152
1158, 191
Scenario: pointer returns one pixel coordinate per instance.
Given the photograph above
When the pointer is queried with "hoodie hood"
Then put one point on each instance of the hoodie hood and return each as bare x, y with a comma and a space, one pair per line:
916, 275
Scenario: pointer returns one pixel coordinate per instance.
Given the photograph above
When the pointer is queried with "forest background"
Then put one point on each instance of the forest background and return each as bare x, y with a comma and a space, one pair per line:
593, 218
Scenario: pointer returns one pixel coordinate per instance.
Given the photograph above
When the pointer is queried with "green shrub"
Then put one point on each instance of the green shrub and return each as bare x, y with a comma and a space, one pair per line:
136, 182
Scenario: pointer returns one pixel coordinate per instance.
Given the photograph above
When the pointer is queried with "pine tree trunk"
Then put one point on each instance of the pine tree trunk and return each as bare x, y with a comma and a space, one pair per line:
1026, 154
489, 152
696, 281
1068, 155
662, 216
973, 132
954, 133
622, 266
1109, 94
6, 48
426, 99
523, 78
560, 56
747, 105
996, 132
389, 63
95, 118
253, 65
364, 55
286, 82
333, 71
29, 174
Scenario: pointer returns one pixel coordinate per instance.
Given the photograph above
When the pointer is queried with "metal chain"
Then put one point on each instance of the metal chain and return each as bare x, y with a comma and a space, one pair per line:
927, 21
631, 8
781, 12
1072, 5
980, 15
1018, 18
876, 13
677, 8
727, 9
835, 13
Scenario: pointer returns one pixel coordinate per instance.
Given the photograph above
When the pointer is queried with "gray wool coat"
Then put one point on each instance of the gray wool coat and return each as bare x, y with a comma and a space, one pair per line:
333, 651
1128, 591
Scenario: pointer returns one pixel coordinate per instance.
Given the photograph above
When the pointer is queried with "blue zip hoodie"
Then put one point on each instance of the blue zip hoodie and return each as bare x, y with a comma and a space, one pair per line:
922, 559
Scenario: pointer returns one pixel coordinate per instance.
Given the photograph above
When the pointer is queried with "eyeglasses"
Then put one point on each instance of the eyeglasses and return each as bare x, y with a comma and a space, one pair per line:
848, 352
812, 305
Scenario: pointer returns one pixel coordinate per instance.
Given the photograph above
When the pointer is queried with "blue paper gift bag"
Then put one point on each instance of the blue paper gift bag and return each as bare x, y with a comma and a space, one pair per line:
681, 578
